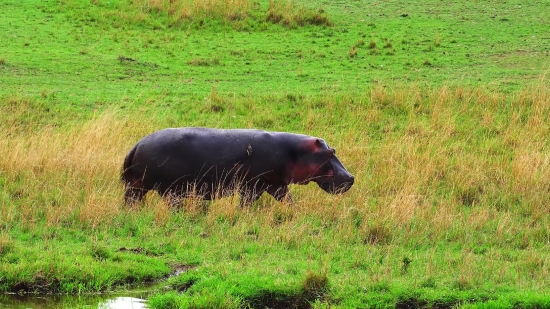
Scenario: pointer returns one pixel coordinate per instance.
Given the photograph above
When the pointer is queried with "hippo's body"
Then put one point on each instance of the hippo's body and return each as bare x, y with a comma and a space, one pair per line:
211, 163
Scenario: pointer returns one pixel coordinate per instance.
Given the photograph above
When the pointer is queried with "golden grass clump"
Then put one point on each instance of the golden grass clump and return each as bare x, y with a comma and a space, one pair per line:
279, 12
65, 176
192, 9
288, 14
6, 243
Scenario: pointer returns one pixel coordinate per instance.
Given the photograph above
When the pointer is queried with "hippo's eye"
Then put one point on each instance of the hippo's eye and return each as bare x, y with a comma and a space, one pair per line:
331, 153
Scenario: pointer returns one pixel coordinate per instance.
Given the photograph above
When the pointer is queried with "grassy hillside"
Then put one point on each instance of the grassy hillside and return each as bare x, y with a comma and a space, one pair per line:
440, 112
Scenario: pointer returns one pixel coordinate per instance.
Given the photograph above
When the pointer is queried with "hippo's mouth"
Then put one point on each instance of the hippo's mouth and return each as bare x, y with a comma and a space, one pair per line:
333, 188
334, 184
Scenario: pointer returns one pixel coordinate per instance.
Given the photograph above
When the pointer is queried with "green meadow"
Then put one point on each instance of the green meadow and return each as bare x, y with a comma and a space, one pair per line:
439, 109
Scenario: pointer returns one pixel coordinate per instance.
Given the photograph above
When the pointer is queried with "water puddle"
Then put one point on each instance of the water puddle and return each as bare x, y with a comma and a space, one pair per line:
135, 298
119, 300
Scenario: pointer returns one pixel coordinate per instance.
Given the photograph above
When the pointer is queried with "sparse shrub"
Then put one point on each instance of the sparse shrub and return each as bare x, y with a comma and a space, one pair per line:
264, 121
353, 52
282, 214
288, 14
382, 286
377, 234
99, 252
194, 9
2, 61
315, 283
215, 108
428, 283
240, 14
372, 44
236, 52
291, 97
204, 62
356, 217
236, 254
124, 59
406, 263
183, 282
470, 196
463, 283
437, 41
6, 244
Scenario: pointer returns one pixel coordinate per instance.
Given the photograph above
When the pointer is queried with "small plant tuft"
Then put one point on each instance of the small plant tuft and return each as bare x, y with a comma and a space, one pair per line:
6, 244
377, 234
288, 14
406, 263
315, 284
437, 41
353, 52
204, 62
99, 252
372, 44
429, 283
463, 283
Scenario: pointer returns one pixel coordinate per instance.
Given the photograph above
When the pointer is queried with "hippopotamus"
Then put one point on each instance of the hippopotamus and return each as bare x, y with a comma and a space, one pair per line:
212, 163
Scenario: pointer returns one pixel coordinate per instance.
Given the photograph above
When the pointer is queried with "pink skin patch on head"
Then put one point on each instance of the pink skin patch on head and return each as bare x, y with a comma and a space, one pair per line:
311, 145
303, 174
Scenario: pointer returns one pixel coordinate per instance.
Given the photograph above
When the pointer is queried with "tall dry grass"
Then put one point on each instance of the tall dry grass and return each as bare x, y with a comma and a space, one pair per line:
283, 12
64, 176
449, 164
187, 9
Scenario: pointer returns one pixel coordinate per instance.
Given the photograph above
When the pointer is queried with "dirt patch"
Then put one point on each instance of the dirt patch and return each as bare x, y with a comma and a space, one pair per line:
178, 268
38, 285
138, 251
413, 303
279, 301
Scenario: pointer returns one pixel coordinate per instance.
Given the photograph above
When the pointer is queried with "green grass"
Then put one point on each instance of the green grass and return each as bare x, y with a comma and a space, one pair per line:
440, 111
504, 52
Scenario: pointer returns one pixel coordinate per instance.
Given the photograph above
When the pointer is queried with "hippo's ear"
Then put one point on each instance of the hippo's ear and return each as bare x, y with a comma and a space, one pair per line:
318, 143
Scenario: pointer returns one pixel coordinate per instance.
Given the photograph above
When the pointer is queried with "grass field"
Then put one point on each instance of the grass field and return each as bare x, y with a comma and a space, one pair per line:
440, 111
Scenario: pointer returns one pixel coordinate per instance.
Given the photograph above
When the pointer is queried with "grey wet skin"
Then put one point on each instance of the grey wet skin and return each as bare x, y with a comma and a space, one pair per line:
211, 163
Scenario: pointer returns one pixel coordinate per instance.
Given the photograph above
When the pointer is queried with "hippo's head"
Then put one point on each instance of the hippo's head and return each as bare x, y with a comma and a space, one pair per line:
318, 162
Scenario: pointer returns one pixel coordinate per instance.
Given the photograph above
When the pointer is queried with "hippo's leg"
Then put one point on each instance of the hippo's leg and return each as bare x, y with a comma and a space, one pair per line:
134, 193
173, 200
248, 197
280, 193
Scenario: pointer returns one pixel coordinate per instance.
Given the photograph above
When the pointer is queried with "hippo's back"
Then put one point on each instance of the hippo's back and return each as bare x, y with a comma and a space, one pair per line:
177, 157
